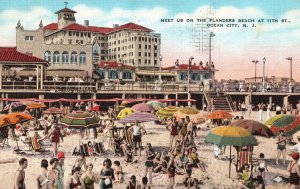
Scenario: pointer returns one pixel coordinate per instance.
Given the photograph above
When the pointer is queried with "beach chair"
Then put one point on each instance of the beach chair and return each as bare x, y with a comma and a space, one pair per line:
99, 147
244, 156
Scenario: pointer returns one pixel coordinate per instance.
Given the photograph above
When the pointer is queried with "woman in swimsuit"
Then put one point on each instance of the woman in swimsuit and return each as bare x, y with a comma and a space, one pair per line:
47, 179
75, 182
171, 172
88, 177
19, 181
281, 147
149, 161
262, 168
294, 170
118, 171
132, 183
158, 164
173, 128
60, 170
106, 175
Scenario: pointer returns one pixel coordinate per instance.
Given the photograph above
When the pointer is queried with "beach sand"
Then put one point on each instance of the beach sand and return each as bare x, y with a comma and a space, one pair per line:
215, 177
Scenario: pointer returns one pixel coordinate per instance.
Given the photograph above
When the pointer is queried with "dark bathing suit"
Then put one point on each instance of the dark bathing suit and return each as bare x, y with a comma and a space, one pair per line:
74, 186
294, 177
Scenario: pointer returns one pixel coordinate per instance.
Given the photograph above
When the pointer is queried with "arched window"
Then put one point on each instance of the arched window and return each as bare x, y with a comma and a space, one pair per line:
56, 57
65, 57
74, 58
47, 56
82, 58
182, 76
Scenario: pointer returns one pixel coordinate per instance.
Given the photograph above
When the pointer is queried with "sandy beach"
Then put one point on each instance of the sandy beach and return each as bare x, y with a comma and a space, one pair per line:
216, 175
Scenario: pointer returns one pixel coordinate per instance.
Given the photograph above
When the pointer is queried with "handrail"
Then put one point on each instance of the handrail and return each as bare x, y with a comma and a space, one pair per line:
208, 100
229, 101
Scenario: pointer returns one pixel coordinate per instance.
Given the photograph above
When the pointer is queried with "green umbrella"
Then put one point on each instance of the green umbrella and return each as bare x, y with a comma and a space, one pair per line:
80, 120
230, 136
156, 105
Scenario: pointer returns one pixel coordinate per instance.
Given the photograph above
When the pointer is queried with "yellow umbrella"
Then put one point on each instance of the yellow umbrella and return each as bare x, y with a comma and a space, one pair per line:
167, 112
125, 112
193, 113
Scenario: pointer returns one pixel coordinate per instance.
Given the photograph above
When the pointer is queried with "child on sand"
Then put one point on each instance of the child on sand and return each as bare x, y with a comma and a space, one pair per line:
118, 172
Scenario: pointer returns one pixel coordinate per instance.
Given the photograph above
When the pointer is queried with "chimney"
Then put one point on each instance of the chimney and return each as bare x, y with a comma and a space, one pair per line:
86, 23
115, 25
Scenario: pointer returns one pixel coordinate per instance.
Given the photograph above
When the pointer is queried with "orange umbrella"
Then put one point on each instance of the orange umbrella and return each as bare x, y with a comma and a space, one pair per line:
220, 114
35, 105
14, 118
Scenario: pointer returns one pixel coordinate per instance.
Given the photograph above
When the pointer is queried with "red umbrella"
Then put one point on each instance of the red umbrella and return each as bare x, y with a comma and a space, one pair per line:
96, 108
53, 111
254, 127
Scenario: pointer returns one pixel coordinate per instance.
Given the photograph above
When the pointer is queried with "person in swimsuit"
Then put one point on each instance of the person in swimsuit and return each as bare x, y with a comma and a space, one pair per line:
54, 163
19, 180
75, 181
159, 165
80, 162
281, 147
60, 170
88, 177
132, 183
137, 133
47, 179
173, 128
171, 172
144, 184
118, 171
183, 130
294, 171
106, 175
261, 170
55, 137
149, 161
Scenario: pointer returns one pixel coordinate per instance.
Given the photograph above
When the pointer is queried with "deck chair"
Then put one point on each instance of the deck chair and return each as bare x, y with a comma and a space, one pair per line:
244, 156
99, 147
83, 149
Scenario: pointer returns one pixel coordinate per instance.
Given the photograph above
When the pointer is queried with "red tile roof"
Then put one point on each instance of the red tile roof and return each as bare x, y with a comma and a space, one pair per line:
104, 30
10, 54
114, 64
52, 26
185, 67
65, 10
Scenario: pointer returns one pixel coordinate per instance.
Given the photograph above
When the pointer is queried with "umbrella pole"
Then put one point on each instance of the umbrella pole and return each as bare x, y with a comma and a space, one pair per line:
230, 161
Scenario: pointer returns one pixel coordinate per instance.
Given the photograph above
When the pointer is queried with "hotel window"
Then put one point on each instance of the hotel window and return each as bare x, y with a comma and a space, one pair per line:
65, 57
47, 56
28, 38
70, 33
82, 58
56, 57
145, 46
74, 58
139, 61
155, 62
127, 75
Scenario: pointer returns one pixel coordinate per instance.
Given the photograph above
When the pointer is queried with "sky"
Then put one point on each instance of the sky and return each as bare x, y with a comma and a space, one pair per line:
233, 48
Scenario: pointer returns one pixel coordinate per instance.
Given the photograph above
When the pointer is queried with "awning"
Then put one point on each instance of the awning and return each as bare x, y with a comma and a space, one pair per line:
67, 73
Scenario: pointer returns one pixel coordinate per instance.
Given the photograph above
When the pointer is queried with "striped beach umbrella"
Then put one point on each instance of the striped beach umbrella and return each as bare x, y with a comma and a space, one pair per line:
80, 120
35, 105
125, 112
143, 107
290, 124
14, 107
139, 117
156, 105
166, 112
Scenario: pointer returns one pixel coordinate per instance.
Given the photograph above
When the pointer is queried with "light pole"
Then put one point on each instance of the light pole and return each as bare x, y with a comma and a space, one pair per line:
189, 67
291, 67
211, 34
255, 62
160, 59
264, 62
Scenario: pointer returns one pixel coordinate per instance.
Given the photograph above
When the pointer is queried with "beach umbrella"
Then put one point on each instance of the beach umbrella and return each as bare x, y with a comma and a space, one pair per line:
156, 105
125, 112
193, 114
35, 105
14, 107
80, 120
220, 114
167, 112
271, 120
143, 107
53, 110
14, 118
230, 136
254, 127
290, 124
139, 117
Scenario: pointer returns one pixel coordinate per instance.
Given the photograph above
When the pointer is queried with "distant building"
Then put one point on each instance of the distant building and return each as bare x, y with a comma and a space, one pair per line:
77, 49
272, 79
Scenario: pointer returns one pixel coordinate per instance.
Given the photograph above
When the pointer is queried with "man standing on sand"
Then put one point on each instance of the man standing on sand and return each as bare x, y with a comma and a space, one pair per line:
19, 180
260, 111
